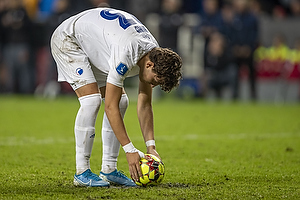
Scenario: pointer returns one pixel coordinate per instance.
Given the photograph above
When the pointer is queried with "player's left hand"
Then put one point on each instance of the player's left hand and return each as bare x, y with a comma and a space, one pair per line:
152, 150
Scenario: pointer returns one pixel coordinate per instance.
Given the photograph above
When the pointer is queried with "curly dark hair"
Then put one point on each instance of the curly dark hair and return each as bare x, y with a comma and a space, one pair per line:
167, 66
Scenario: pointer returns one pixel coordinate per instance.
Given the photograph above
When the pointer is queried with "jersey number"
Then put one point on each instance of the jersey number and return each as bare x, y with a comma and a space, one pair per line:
124, 23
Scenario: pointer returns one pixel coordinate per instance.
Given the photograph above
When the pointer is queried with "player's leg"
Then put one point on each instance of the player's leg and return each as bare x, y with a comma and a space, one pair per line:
90, 101
111, 147
81, 78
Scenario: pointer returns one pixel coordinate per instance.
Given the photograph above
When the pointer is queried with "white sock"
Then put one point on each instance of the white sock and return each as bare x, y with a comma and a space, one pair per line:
111, 145
85, 130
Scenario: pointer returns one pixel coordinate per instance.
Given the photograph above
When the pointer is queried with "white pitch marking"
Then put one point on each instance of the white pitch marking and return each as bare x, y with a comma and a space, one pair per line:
21, 141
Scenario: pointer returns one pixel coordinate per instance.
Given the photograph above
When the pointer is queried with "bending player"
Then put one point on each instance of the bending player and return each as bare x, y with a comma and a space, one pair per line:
95, 51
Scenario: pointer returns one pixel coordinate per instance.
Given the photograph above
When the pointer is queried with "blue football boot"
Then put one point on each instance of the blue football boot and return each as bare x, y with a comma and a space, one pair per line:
118, 178
89, 179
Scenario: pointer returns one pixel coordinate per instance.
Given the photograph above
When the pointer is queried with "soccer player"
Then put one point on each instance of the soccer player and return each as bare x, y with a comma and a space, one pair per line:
95, 51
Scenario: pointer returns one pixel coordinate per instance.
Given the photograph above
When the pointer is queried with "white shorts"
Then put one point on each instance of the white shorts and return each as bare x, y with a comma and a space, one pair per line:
73, 64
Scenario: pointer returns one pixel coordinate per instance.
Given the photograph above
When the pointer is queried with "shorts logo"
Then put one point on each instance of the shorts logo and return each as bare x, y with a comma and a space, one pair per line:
122, 69
79, 71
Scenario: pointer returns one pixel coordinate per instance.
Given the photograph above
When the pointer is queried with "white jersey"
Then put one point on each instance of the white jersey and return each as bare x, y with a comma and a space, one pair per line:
113, 40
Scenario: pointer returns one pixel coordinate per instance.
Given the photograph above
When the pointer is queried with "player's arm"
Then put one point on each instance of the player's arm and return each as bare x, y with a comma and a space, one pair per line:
145, 115
112, 99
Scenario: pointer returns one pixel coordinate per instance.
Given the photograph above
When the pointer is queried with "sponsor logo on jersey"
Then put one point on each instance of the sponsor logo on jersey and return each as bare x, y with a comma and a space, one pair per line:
79, 71
122, 69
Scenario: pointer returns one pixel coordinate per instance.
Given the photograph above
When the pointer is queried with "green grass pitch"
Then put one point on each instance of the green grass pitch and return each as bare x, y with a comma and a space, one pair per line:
210, 150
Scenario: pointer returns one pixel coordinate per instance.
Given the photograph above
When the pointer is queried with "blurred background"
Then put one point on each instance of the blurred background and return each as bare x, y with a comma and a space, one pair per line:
233, 50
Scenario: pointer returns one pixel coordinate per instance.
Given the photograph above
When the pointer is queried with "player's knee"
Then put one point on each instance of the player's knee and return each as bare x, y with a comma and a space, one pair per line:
93, 101
124, 101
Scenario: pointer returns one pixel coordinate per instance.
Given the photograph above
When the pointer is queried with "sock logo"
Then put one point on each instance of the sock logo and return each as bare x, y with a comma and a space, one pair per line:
92, 136
79, 71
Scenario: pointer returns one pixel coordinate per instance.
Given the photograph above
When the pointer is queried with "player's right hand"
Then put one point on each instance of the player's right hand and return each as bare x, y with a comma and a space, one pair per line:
133, 160
133, 156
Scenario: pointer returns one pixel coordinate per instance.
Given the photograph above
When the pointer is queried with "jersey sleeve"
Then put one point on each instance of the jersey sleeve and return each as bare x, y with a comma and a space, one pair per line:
120, 65
124, 61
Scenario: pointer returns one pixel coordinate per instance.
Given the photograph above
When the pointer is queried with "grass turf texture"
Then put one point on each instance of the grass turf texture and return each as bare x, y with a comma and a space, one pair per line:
210, 150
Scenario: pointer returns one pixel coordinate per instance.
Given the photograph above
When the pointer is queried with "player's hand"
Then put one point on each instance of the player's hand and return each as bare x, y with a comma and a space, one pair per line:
133, 160
152, 150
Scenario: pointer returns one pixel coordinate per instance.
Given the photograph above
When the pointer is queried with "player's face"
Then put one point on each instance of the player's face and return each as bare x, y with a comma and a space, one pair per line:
148, 76
153, 80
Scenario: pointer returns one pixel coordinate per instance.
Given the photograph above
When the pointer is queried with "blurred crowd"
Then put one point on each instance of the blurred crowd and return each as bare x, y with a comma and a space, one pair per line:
230, 29
232, 45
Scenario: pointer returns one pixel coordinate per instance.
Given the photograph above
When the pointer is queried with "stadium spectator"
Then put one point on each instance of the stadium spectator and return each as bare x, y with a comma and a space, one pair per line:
191, 6
100, 3
278, 12
61, 10
219, 69
255, 7
46, 68
295, 52
140, 8
32, 8
270, 61
295, 8
228, 30
16, 30
278, 60
294, 59
44, 9
170, 21
279, 50
211, 20
2, 72
244, 43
